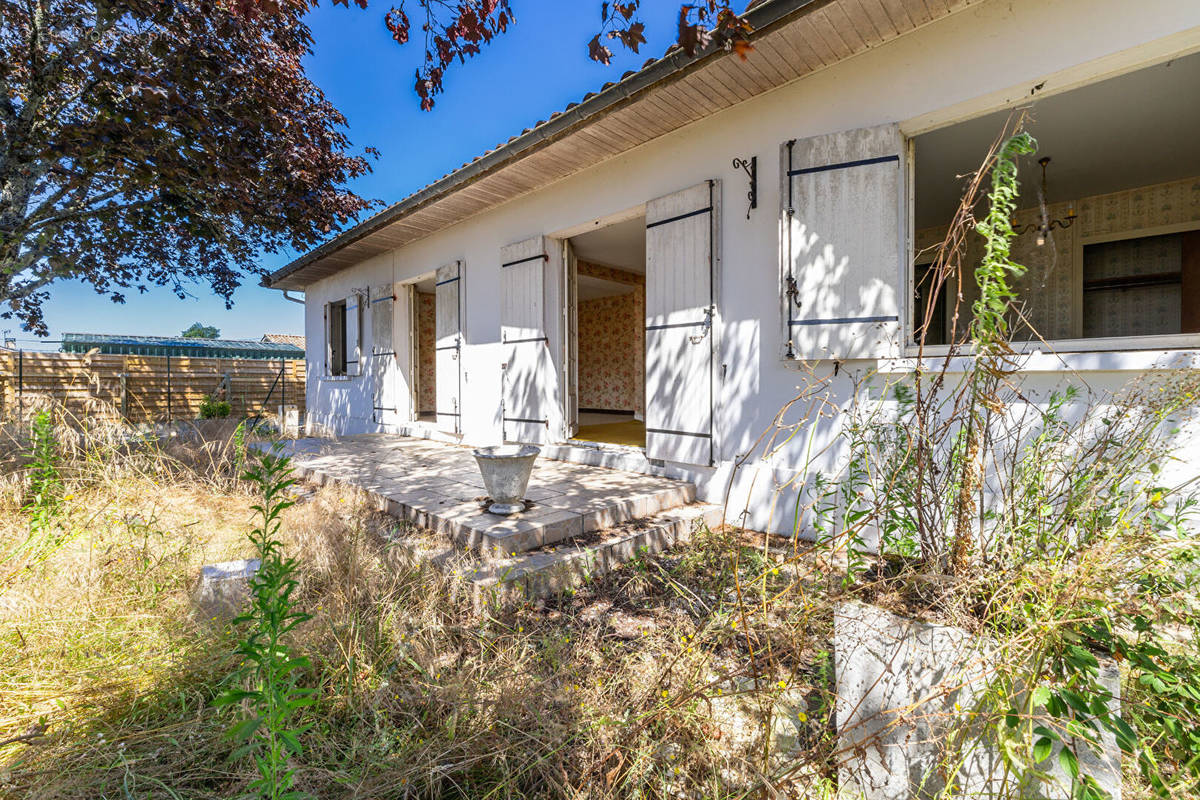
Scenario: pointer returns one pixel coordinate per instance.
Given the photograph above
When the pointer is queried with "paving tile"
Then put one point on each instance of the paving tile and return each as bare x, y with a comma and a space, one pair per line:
436, 486
511, 542
558, 525
545, 495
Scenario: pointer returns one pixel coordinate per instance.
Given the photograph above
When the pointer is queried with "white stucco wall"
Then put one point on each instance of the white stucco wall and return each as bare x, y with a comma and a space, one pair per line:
970, 62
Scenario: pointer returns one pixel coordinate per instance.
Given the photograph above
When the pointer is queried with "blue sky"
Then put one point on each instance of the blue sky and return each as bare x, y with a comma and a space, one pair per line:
538, 67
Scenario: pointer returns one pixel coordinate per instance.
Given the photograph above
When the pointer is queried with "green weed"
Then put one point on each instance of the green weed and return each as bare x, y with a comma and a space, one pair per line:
269, 732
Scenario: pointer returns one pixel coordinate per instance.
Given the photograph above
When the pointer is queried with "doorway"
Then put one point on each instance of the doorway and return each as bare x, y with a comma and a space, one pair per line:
607, 270
424, 337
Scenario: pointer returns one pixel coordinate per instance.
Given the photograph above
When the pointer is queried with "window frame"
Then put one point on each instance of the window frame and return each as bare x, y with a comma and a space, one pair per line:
336, 367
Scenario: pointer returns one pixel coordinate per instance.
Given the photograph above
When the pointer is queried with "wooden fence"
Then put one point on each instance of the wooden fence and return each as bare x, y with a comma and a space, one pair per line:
146, 388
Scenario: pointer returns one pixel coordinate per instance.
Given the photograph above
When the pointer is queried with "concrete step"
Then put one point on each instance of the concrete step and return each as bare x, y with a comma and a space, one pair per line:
554, 569
627, 459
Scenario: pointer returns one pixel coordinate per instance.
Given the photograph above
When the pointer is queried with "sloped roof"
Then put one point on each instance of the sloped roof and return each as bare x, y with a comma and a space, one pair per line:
284, 338
792, 38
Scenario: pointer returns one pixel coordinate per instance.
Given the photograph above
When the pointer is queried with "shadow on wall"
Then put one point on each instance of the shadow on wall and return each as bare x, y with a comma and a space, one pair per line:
777, 454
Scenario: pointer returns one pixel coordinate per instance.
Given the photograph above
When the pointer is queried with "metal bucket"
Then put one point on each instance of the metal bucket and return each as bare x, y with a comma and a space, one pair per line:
506, 469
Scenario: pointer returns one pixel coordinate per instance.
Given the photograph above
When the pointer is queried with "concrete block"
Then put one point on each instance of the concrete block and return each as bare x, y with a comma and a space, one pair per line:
289, 420
906, 689
509, 542
557, 525
222, 589
563, 573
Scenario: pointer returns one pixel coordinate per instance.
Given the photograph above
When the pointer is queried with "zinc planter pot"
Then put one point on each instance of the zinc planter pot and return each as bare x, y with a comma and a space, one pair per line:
506, 470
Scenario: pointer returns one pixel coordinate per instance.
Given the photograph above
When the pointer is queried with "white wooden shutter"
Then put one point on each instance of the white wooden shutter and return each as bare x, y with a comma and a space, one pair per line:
407, 365
843, 264
448, 368
382, 364
382, 310
328, 339
571, 341
354, 318
414, 353
529, 378
681, 307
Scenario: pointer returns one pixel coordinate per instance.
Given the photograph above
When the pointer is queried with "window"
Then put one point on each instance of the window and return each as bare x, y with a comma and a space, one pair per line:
923, 288
336, 331
1107, 220
1142, 286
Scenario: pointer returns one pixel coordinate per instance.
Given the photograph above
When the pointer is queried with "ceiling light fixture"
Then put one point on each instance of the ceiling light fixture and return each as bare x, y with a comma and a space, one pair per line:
1045, 225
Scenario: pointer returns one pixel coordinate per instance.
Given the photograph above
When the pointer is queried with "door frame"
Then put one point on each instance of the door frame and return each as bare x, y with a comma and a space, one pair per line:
406, 292
570, 339
559, 240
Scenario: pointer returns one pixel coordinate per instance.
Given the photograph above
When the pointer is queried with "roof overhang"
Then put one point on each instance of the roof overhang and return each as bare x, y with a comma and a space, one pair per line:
792, 38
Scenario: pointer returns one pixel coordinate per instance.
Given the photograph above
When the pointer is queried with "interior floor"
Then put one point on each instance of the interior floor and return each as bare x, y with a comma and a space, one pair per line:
611, 428
593, 418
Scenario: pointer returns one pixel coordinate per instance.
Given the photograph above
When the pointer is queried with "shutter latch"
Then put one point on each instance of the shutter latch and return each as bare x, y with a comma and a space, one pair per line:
792, 292
708, 319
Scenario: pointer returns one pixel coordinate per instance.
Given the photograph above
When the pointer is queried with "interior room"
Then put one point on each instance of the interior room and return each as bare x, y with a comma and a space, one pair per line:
1109, 219
610, 345
425, 336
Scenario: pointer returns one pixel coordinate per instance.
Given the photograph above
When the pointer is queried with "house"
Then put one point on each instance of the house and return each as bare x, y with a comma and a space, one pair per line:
641, 279
283, 338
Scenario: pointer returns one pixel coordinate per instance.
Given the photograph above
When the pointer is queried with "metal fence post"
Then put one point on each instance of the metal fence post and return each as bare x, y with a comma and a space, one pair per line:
168, 387
20, 385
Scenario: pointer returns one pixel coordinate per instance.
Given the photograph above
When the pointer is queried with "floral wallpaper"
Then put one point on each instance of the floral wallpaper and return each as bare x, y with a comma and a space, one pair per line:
612, 345
426, 353
1146, 207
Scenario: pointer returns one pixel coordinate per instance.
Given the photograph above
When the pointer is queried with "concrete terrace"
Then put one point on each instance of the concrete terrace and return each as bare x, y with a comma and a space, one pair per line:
580, 518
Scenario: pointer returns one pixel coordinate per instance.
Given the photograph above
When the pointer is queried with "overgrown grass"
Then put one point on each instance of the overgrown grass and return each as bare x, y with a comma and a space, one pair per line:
670, 674
703, 672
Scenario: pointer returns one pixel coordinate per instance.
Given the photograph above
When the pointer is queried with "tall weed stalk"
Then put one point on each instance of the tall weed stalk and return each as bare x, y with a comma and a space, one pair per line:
271, 693
989, 336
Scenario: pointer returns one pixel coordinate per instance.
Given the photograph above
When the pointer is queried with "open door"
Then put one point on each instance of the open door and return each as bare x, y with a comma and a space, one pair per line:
529, 373
681, 308
571, 341
448, 369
